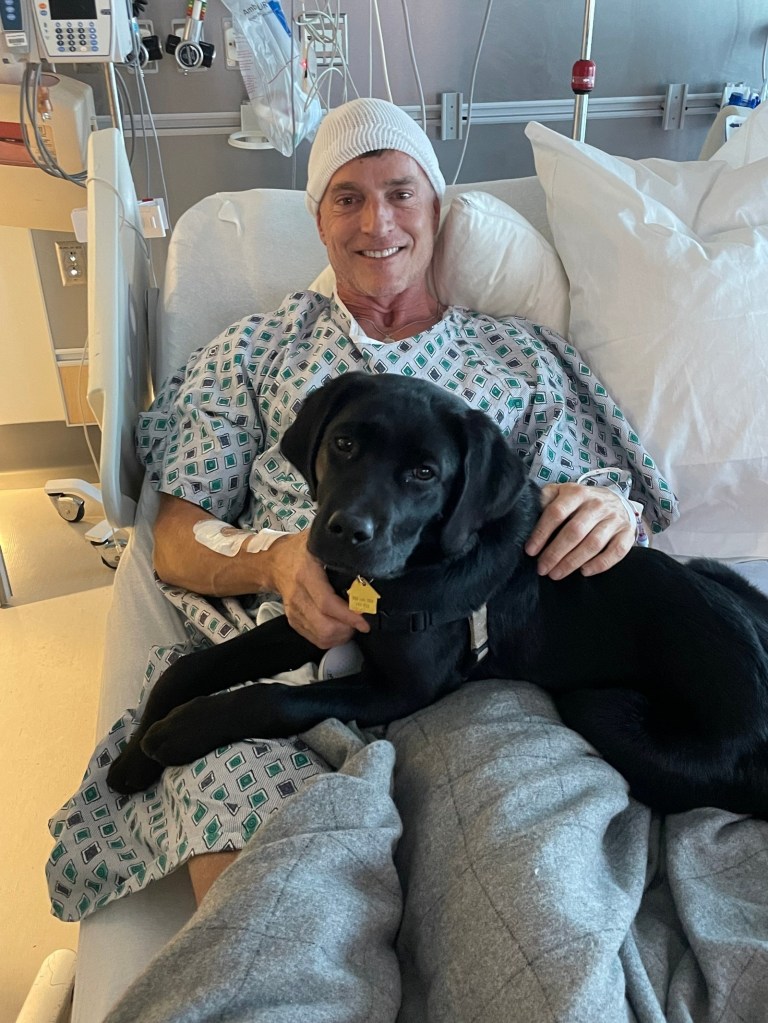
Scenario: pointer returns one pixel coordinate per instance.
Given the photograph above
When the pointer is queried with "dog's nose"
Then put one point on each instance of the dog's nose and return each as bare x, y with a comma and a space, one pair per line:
350, 528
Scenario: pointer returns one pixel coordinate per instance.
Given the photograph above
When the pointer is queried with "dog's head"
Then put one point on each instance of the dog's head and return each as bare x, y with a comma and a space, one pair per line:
401, 470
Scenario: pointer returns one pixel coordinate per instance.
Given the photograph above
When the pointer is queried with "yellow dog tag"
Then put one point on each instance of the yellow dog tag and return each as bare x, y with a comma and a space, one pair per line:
362, 597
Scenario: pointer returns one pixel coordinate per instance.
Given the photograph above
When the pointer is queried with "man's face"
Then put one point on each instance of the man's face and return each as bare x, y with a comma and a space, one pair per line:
378, 219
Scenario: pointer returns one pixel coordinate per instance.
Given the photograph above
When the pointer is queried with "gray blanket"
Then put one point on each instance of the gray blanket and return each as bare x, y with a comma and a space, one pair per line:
527, 886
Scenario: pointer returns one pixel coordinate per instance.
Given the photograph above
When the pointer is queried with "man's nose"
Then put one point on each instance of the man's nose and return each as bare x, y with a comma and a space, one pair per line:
376, 217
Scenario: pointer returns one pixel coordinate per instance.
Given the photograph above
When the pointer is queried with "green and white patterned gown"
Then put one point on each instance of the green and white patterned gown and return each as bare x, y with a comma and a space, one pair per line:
212, 437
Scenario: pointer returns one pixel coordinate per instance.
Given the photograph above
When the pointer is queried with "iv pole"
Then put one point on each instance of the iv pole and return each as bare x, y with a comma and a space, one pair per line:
583, 74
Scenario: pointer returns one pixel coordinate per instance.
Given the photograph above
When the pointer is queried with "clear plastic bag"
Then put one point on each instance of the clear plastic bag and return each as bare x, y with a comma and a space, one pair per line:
278, 86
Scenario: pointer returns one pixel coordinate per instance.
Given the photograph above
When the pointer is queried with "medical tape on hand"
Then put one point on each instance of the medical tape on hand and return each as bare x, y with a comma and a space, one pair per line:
228, 540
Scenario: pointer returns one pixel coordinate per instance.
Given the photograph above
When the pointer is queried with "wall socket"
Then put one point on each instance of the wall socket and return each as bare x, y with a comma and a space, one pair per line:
72, 263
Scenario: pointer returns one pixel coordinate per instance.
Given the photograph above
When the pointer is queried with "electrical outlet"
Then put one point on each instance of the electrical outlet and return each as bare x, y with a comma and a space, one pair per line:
72, 263
327, 36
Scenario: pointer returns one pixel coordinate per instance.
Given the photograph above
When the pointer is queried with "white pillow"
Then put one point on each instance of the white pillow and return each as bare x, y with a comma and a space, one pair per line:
490, 259
668, 266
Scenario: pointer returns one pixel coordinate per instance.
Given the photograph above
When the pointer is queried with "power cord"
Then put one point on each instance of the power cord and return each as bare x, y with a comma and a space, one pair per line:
30, 96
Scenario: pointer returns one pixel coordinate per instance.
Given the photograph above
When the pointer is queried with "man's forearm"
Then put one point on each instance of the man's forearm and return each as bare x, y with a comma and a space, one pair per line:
182, 561
286, 568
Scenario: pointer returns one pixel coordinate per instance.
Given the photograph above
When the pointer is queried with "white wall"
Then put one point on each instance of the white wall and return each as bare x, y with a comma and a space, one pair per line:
29, 391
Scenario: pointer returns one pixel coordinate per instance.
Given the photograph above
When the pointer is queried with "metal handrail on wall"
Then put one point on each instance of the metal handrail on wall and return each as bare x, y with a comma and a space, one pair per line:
510, 112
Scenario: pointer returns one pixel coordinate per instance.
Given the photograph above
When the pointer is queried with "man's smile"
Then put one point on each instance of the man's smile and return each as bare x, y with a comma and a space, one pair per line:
381, 253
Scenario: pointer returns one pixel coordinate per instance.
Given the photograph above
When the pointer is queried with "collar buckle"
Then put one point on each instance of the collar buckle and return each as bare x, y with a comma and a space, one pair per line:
478, 633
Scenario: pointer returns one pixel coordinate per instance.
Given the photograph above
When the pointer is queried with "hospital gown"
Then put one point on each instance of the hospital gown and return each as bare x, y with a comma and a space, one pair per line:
212, 438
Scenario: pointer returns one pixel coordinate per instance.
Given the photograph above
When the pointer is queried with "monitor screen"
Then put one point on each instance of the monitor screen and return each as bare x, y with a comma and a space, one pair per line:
72, 10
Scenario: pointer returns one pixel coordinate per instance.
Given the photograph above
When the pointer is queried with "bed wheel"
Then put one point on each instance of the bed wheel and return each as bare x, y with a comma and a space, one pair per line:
69, 507
111, 551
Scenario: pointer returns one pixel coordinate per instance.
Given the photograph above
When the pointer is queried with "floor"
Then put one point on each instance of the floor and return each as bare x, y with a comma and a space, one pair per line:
51, 648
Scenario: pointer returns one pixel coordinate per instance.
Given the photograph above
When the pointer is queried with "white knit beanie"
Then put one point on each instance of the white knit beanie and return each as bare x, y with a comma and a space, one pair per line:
358, 127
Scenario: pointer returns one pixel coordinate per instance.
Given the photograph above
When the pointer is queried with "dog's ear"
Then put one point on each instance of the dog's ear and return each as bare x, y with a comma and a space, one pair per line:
301, 441
491, 481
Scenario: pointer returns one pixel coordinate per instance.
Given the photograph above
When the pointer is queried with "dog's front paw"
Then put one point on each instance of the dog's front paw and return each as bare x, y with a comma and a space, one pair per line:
170, 743
133, 771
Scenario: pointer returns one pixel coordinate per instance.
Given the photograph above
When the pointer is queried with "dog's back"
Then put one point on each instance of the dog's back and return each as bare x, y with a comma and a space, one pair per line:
664, 668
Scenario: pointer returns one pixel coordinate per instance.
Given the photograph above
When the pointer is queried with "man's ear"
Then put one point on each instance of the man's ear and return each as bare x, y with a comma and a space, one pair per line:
301, 441
319, 222
491, 481
436, 220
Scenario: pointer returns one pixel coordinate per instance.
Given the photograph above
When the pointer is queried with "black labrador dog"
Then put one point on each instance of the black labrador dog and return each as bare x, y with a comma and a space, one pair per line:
663, 667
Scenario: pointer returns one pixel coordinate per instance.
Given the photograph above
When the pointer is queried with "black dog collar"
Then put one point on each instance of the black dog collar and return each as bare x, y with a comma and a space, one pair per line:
420, 621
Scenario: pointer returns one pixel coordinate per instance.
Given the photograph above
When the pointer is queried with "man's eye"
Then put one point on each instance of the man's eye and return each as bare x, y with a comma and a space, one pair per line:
423, 472
343, 444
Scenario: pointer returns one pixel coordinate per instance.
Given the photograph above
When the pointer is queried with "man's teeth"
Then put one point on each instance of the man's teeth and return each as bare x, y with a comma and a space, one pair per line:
381, 253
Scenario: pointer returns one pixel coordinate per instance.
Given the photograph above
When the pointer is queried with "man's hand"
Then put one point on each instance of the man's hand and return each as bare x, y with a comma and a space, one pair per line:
585, 528
313, 608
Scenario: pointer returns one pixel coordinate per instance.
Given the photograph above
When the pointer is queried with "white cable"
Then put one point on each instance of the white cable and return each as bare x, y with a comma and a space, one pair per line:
43, 159
315, 89
370, 48
126, 97
164, 193
486, 19
383, 52
81, 409
125, 222
764, 68
143, 118
414, 65
325, 35
335, 52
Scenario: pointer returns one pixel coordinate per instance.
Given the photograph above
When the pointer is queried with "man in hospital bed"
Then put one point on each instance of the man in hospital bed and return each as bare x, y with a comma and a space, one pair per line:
542, 924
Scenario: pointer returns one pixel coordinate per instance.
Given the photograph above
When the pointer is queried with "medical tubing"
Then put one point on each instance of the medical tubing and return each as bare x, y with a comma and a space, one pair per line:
414, 64
470, 100
143, 88
370, 47
123, 90
384, 68
326, 36
143, 116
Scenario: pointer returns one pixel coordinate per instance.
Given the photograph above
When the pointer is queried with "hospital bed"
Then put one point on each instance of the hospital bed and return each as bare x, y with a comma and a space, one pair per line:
235, 253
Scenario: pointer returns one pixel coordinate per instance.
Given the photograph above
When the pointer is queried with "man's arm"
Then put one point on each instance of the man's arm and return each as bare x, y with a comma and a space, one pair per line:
287, 568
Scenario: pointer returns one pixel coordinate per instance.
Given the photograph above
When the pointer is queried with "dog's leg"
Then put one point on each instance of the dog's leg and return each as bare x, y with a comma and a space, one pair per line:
274, 710
264, 651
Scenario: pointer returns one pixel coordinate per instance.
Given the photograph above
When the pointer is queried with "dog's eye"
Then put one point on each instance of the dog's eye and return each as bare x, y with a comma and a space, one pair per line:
343, 444
423, 472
